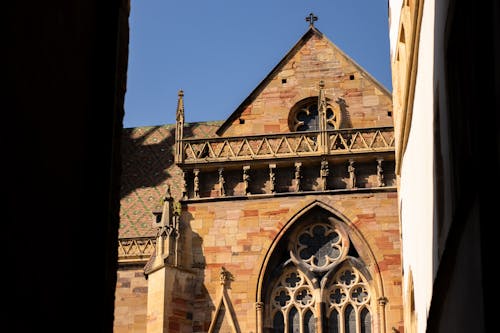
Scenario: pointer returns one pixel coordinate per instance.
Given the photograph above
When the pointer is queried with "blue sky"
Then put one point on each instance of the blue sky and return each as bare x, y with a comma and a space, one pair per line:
218, 51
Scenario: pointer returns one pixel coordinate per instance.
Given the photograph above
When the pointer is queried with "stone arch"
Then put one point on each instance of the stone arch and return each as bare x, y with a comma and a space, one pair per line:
280, 257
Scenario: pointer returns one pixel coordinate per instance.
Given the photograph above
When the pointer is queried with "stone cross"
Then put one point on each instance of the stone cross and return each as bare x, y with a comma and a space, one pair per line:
311, 18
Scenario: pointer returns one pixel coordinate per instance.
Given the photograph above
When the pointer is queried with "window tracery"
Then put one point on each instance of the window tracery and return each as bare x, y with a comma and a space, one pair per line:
319, 246
348, 300
293, 298
305, 115
318, 269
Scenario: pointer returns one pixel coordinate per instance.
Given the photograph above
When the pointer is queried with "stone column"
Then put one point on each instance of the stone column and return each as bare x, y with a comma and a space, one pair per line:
259, 308
382, 301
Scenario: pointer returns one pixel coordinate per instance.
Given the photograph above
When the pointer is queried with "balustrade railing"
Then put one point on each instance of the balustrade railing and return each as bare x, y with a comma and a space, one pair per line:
135, 248
286, 145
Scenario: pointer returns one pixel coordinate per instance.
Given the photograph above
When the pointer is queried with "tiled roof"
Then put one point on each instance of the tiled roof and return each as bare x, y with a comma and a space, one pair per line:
147, 166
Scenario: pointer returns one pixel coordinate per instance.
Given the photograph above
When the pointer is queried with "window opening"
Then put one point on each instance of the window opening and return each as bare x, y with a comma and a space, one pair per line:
305, 116
319, 253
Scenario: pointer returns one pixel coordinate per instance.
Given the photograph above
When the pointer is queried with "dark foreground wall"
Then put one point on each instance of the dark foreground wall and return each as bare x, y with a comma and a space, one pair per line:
64, 82
466, 277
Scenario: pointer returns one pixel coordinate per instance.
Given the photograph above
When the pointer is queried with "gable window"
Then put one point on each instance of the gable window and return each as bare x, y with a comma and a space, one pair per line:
304, 116
320, 281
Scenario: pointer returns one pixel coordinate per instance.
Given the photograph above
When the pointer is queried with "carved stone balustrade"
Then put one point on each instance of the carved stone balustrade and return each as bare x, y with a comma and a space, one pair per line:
285, 146
227, 168
135, 250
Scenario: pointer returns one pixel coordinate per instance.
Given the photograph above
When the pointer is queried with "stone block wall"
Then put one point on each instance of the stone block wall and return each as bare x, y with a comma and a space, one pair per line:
170, 300
130, 300
237, 235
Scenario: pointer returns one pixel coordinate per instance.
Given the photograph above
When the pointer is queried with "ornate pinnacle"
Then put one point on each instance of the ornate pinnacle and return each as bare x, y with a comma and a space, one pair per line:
180, 106
179, 128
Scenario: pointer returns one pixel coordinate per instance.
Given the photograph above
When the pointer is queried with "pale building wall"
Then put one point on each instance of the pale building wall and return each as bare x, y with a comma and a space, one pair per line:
416, 185
394, 19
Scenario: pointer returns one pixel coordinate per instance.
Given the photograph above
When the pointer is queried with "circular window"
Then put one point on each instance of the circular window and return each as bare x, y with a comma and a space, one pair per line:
319, 246
305, 116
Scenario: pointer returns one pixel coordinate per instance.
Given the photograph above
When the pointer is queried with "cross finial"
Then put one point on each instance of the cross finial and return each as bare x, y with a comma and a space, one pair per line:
311, 18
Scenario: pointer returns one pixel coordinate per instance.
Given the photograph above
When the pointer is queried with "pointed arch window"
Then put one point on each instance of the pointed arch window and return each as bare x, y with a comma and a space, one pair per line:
318, 279
348, 302
292, 298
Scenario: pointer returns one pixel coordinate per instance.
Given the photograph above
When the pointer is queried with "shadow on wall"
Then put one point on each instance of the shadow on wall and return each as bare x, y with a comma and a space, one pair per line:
207, 310
192, 256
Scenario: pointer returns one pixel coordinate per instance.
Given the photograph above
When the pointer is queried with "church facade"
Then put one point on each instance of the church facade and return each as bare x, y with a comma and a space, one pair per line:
281, 218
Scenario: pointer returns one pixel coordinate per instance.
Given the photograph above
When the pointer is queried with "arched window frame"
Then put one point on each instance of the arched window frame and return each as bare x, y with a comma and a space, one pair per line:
293, 290
304, 115
364, 265
341, 293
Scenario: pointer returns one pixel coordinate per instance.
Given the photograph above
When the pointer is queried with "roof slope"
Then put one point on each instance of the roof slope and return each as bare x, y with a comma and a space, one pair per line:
147, 167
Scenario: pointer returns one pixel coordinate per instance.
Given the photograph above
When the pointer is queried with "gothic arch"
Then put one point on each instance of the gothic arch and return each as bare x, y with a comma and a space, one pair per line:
284, 261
